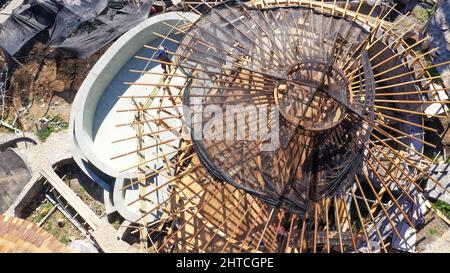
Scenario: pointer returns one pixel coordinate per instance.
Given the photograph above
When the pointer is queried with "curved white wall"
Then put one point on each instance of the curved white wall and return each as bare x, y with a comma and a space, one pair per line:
89, 148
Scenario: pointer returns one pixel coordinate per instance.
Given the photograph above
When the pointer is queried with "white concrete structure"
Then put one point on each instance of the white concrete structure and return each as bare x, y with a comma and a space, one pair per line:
94, 117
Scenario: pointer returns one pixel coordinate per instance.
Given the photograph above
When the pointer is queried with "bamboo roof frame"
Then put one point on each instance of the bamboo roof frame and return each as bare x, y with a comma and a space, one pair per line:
181, 167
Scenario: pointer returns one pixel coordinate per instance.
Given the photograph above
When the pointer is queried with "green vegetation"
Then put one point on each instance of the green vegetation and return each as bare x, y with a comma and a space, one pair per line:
55, 124
51, 224
432, 231
41, 211
442, 207
422, 14
66, 233
44, 133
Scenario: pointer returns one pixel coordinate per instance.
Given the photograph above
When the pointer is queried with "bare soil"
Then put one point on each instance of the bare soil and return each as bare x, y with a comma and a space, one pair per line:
48, 84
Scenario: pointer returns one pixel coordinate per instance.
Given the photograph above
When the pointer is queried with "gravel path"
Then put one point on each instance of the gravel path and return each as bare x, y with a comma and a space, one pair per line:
44, 154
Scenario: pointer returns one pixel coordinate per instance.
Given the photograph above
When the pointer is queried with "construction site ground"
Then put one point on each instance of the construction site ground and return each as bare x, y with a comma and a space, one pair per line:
45, 85
434, 236
58, 224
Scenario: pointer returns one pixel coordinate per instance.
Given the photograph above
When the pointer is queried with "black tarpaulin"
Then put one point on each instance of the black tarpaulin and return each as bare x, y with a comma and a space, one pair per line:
76, 28
25, 22
88, 40
70, 17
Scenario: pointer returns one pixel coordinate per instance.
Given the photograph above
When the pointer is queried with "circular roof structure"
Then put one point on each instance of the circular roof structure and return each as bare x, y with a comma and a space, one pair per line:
255, 75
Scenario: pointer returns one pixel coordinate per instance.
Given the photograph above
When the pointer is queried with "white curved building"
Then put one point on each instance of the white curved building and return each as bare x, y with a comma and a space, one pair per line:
99, 142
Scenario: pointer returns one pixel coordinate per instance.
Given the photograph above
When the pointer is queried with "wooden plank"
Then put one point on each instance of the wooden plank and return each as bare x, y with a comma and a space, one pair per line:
74, 201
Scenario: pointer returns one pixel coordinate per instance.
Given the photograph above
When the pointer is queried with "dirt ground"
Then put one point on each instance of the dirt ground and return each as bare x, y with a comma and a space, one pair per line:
433, 229
48, 84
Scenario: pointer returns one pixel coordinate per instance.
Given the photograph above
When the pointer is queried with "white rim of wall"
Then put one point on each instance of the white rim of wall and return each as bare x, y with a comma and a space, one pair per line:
78, 157
101, 75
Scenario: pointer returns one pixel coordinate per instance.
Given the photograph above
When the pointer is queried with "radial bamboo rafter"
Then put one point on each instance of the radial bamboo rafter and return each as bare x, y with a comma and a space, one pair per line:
207, 213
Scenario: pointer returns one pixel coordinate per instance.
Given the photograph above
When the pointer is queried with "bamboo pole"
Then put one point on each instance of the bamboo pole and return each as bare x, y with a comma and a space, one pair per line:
338, 224
380, 203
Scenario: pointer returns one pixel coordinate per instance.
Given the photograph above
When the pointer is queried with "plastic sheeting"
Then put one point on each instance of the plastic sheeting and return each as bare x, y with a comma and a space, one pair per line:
76, 28
70, 17
25, 22
87, 42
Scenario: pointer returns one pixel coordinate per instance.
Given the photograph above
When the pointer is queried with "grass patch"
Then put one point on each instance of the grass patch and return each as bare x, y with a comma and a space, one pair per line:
64, 239
421, 13
63, 234
442, 207
432, 231
41, 212
55, 124
44, 133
